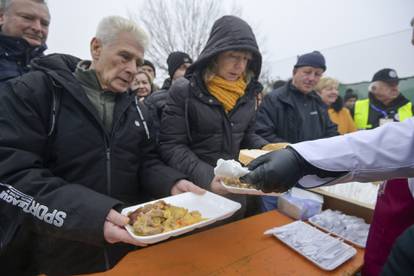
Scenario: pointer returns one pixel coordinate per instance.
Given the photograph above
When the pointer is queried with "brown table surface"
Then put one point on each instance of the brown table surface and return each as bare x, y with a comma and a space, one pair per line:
238, 248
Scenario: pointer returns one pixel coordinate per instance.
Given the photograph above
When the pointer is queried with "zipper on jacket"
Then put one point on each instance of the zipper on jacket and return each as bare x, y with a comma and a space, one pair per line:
107, 264
108, 170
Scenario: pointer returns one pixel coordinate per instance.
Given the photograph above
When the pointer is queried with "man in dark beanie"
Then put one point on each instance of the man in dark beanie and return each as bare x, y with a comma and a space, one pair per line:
177, 62
350, 98
314, 59
294, 112
148, 67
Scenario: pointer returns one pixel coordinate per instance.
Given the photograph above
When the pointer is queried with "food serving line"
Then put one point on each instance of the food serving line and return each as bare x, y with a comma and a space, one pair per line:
238, 248
267, 244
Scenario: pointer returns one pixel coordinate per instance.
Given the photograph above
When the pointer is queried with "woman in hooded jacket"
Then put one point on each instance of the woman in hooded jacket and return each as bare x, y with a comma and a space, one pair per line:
210, 113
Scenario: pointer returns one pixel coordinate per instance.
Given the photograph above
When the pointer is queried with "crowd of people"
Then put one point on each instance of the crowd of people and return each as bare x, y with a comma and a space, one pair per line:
82, 139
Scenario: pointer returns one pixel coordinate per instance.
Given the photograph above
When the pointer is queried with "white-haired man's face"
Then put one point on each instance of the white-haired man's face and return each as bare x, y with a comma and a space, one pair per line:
26, 19
116, 62
385, 92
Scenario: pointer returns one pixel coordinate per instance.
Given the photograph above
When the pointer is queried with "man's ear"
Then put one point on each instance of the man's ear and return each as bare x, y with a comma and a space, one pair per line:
96, 48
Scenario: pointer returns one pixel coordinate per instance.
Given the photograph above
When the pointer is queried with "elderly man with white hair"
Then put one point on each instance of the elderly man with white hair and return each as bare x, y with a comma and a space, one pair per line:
75, 148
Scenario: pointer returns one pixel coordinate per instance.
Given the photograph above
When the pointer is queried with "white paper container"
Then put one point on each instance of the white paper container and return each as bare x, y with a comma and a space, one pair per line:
211, 206
347, 253
245, 191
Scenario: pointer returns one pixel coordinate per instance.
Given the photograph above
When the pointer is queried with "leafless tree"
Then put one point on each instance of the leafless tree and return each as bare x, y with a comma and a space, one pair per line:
181, 25
178, 25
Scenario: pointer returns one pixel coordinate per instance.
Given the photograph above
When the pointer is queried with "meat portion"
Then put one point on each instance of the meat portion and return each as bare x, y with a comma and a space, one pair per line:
161, 217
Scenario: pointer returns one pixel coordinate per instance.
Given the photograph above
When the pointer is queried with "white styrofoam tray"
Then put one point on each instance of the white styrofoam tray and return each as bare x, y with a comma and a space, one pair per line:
246, 191
328, 252
211, 206
312, 221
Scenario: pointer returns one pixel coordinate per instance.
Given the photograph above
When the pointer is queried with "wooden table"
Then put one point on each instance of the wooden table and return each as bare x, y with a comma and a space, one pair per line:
238, 248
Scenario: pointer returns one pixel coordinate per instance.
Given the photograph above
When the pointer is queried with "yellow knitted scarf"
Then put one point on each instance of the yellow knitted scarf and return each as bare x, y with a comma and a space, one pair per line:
226, 92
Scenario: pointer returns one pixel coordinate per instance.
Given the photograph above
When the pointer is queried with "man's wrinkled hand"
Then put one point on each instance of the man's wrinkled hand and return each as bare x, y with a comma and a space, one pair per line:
217, 187
114, 230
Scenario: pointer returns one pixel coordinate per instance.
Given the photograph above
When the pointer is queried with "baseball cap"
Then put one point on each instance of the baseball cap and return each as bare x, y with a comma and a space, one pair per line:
387, 75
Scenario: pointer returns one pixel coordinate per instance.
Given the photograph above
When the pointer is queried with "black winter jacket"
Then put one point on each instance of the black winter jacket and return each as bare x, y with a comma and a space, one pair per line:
156, 103
195, 129
74, 177
279, 118
15, 56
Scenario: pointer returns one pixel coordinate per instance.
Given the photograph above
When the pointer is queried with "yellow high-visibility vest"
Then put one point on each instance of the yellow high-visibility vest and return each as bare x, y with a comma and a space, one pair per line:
361, 112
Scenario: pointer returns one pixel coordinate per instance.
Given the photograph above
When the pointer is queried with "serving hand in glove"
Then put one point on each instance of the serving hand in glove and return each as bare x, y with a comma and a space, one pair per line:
278, 171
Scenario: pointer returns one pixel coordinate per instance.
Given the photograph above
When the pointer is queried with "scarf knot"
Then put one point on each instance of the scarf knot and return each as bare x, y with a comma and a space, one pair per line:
226, 92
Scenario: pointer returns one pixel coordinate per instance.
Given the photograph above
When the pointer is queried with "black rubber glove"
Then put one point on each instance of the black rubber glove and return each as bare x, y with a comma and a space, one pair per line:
280, 170
276, 171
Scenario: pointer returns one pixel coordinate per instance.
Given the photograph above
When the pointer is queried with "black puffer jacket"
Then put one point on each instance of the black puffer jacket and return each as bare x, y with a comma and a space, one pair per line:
156, 103
279, 119
195, 129
80, 172
15, 56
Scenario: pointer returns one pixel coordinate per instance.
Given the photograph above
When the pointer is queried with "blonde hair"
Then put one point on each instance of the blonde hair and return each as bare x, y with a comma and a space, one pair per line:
149, 78
146, 74
111, 26
326, 82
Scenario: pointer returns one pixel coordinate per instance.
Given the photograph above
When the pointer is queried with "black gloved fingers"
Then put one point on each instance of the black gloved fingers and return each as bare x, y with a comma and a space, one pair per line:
254, 177
258, 161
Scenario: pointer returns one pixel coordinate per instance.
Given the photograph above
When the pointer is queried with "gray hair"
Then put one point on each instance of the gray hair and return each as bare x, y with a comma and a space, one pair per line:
5, 4
372, 85
111, 26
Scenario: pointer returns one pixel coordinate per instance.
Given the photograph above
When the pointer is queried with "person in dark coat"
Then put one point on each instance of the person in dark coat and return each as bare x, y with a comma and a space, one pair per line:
210, 113
350, 98
177, 62
294, 112
75, 148
21, 39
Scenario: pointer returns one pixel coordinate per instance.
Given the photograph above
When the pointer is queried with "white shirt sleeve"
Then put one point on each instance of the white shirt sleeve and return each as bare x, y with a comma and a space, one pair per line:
368, 155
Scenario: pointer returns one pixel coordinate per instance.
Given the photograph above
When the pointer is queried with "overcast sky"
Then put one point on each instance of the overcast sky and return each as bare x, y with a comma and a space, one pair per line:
357, 37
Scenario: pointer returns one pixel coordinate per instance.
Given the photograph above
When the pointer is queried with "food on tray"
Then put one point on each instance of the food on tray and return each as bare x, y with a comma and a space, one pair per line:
161, 217
235, 182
